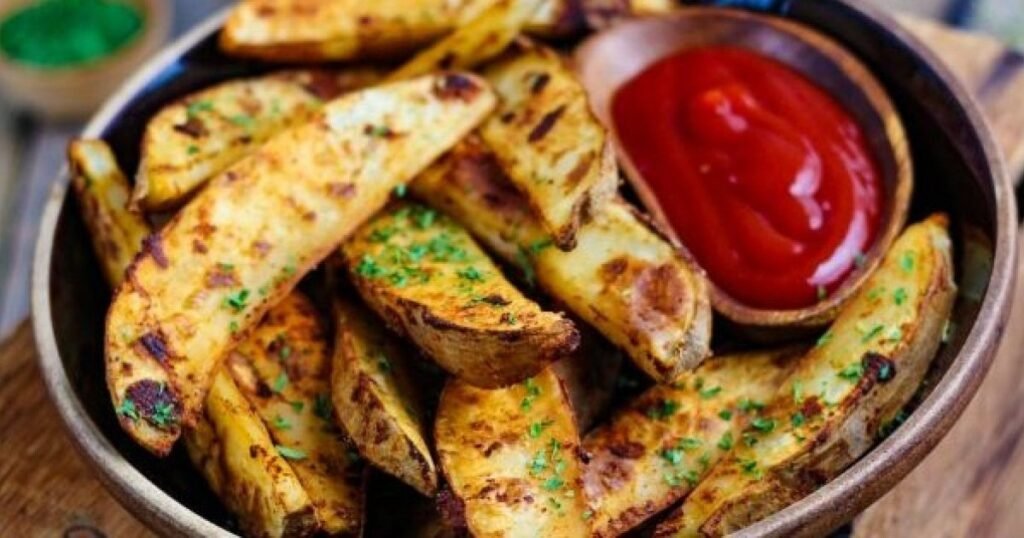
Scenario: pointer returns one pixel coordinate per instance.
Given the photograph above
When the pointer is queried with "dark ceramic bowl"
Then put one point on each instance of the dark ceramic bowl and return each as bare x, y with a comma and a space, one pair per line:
958, 170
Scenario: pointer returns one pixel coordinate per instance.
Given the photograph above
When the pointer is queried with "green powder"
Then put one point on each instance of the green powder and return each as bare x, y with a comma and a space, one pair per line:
60, 33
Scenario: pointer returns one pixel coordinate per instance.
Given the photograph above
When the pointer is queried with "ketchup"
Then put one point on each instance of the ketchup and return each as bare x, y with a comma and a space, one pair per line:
766, 179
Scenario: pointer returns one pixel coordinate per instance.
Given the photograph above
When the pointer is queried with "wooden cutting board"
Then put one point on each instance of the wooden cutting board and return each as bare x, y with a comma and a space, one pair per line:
970, 485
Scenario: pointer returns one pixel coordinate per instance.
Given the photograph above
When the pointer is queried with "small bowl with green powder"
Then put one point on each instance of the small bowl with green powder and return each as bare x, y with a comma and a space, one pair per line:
62, 58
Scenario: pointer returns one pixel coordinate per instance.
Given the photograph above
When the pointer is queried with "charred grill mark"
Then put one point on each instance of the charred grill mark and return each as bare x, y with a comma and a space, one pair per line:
579, 172
154, 403
199, 247
611, 270
446, 61
627, 449
193, 127
879, 367
539, 83
545, 124
455, 86
507, 117
153, 245
811, 407
155, 345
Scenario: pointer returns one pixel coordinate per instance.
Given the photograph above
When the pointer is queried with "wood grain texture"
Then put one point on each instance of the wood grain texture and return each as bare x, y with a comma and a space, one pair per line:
970, 485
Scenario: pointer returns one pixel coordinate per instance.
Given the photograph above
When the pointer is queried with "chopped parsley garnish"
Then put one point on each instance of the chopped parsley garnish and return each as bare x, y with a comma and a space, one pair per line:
947, 331
380, 131
674, 456
290, 453
664, 409
532, 392
195, 107
282, 423
381, 235
401, 190
709, 393
798, 391
907, 261
676, 478
725, 443
280, 382
747, 405
852, 372
322, 406
825, 338
237, 301
725, 414
298, 405
689, 443
894, 335
163, 414
471, 274
553, 483
424, 217
539, 245
872, 332
244, 121
537, 428
233, 326
128, 409
369, 268
704, 461
899, 296
749, 439
763, 425
750, 467
284, 352
538, 463
587, 514
798, 419
192, 150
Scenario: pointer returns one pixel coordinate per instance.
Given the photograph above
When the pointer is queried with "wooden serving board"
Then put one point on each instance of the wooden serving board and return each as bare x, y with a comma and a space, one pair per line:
969, 486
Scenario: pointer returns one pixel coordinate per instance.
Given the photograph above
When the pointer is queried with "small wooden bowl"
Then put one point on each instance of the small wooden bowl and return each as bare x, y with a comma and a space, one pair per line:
609, 59
75, 92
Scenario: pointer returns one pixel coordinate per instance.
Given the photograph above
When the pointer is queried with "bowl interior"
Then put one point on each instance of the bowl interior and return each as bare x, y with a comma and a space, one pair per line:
609, 60
953, 174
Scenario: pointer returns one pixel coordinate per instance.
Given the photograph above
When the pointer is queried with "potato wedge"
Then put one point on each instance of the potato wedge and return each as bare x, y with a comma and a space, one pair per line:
479, 40
317, 30
428, 279
231, 447
377, 399
546, 138
195, 138
622, 278
589, 375
103, 193
283, 368
831, 409
653, 452
245, 240
511, 456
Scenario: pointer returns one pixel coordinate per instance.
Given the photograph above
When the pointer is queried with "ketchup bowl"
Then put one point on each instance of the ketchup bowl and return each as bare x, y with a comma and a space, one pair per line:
629, 76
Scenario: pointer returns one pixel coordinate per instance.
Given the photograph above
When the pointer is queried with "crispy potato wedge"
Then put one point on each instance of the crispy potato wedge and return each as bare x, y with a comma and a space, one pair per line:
231, 447
103, 192
653, 451
589, 375
512, 457
195, 138
428, 279
479, 40
622, 278
316, 30
245, 241
377, 399
546, 138
283, 369
831, 409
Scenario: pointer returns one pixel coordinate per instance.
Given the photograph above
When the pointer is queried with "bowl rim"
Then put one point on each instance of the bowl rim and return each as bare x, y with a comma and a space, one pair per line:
819, 512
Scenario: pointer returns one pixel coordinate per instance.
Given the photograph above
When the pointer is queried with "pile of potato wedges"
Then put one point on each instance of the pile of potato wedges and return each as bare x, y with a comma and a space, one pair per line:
482, 317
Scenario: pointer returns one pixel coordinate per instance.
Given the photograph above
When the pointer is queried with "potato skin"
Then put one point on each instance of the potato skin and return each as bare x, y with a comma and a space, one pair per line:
429, 280
232, 449
511, 457
245, 241
283, 369
548, 141
623, 278
377, 400
652, 451
103, 192
863, 371
198, 136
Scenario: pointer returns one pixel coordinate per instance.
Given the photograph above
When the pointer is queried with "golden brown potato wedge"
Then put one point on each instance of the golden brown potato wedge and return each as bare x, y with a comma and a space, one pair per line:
622, 278
428, 279
479, 40
589, 375
283, 368
231, 447
245, 241
550, 144
316, 30
103, 192
654, 451
195, 138
377, 399
511, 456
831, 409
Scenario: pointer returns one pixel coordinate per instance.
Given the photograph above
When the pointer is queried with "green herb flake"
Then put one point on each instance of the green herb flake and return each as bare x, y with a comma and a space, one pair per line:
192, 150
709, 393
704, 461
674, 456
163, 414
689, 443
280, 382
587, 514
899, 296
244, 121
538, 463
664, 409
297, 406
798, 419
282, 423
237, 301
725, 414
749, 467
798, 391
537, 428
747, 405
369, 268
825, 338
322, 406
290, 453
725, 442
553, 484
763, 425
128, 409
871, 332
532, 392
195, 107
894, 335
233, 327
424, 217
852, 372
907, 261
471, 274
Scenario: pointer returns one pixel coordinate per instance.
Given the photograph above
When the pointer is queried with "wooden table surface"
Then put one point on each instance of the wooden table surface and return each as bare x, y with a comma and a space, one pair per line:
970, 486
